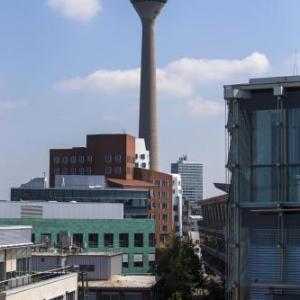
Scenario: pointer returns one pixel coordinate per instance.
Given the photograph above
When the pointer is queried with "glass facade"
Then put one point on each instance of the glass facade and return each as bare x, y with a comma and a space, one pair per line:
263, 251
135, 201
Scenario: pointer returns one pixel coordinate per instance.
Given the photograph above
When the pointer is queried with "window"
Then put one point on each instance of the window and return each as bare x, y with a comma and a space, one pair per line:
64, 171
125, 261
73, 171
123, 240
73, 159
118, 158
71, 296
165, 205
143, 156
133, 296
176, 219
110, 296
78, 239
138, 260
65, 159
162, 238
165, 228
81, 171
165, 183
165, 195
88, 170
93, 240
138, 240
165, 217
108, 170
33, 238
118, 170
108, 240
108, 158
136, 156
144, 165
57, 171
89, 159
151, 240
56, 160
175, 207
151, 260
46, 239
87, 268
81, 159
157, 182
136, 165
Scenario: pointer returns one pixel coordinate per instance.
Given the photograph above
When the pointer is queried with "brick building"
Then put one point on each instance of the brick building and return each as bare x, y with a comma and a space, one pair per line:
112, 155
160, 202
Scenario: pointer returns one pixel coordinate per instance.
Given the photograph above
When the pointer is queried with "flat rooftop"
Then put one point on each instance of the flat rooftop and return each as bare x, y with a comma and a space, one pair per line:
125, 282
268, 82
69, 253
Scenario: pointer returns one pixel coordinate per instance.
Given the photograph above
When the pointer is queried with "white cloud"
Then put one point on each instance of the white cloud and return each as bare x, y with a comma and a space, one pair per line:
12, 104
179, 78
79, 10
200, 71
199, 107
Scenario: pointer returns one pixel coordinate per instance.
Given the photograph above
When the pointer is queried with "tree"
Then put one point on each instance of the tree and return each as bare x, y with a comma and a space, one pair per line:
180, 269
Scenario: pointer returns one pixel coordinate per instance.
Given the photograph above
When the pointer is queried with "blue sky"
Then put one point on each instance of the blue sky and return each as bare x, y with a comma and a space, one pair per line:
70, 67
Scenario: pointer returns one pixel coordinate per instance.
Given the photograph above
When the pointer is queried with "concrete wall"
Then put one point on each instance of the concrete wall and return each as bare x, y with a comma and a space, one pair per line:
60, 210
47, 289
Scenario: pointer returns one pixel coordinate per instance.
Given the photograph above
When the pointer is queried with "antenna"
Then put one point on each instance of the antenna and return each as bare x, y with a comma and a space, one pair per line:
296, 58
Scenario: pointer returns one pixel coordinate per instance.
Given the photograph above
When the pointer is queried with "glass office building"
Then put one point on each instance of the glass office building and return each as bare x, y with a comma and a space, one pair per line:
135, 200
264, 201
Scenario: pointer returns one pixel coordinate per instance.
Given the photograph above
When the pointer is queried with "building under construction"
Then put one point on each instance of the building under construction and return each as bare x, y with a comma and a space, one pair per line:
263, 129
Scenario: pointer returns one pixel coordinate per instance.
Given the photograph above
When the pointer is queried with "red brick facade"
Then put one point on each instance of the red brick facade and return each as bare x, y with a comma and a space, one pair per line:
112, 155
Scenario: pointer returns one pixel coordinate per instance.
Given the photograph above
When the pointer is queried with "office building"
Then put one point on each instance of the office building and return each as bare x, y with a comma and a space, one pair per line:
264, 200
18, 281
142, 155
148, 10
135, 201
160, 206
191, 178
177, 204
134, 238
110, 155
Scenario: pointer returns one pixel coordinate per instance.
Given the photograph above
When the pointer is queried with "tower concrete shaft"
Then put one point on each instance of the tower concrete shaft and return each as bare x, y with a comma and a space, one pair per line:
148, 10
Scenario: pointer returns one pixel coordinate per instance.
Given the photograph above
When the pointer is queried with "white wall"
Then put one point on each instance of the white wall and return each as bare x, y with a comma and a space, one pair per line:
62, 210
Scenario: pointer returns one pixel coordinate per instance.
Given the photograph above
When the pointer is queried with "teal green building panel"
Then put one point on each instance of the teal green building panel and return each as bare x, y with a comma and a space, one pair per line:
101, 227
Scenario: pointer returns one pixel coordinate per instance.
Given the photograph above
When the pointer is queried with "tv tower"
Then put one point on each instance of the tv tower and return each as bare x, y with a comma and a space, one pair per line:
148, 10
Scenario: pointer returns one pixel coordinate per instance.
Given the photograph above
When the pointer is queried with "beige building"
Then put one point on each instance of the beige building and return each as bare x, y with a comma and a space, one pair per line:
18, 282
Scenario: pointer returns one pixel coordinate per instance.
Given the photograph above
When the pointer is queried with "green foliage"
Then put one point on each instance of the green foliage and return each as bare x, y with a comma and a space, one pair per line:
180, 269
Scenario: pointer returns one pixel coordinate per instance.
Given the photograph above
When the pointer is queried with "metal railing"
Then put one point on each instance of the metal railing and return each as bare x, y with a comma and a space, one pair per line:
31, 278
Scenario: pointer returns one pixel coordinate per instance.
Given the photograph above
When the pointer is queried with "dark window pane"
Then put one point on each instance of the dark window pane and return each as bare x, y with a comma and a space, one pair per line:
93, 240
123, 240
138, 240
108, 240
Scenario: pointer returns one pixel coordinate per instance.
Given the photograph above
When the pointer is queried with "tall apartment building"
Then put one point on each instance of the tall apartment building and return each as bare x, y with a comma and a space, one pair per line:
192, 180
264, 199
111, 155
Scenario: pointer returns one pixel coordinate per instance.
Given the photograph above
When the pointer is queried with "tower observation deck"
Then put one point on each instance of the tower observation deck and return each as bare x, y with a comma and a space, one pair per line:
148, 10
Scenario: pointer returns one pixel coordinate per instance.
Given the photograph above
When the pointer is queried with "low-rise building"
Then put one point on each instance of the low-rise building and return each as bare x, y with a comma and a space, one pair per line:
17, 281
135, 200
135, 238
212, 234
